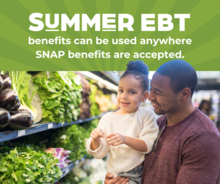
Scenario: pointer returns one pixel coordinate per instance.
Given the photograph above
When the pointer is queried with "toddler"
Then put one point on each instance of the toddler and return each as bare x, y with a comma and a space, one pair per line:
130, 132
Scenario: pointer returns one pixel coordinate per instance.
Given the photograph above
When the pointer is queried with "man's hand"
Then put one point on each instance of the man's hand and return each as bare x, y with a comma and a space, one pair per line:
118, 180
97, 133
115, 139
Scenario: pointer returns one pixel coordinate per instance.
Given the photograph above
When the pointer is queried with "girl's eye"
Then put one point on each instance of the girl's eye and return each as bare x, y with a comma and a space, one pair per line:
120, 90
132, 92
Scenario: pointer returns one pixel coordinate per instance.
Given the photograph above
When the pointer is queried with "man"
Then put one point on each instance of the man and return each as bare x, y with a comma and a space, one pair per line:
187, 150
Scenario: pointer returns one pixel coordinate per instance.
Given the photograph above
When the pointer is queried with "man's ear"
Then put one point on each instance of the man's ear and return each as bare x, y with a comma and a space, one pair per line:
145, 96
185, 93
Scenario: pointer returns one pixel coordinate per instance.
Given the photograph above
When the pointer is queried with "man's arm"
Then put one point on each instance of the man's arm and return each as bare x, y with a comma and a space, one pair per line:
200, 160
118, 180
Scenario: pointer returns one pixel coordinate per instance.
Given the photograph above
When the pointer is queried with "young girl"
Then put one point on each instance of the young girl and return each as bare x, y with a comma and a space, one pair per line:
130, 132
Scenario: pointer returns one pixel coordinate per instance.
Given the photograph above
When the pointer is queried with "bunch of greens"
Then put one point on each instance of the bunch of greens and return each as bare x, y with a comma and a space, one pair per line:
94, 107
20, 83
26, 165
60, 94
85, 105
74, 138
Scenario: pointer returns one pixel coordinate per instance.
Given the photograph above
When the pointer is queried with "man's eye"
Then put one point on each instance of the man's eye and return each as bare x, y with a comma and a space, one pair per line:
157, 92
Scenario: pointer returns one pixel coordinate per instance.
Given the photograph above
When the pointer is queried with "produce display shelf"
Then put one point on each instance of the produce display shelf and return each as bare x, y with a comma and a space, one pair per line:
14, 134
67, 169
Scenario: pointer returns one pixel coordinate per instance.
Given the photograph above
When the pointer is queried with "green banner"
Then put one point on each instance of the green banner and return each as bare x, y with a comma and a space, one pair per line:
106, 34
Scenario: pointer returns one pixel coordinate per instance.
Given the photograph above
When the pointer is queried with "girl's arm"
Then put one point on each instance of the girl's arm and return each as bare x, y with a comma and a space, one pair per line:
98, 149
136, 144
96, 134
95, 144
148, 134
117, 139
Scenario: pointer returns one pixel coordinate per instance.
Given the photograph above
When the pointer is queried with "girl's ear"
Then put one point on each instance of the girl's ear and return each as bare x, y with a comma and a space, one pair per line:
145, 96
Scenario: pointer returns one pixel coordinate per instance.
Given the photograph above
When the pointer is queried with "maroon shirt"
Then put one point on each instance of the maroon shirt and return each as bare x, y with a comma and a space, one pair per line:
186, 153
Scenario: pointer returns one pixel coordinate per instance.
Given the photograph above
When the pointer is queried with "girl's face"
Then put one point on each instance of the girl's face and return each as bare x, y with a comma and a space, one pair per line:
130, 94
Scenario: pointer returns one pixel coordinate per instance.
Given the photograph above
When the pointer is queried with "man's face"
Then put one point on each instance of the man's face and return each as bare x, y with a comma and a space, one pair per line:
162, 97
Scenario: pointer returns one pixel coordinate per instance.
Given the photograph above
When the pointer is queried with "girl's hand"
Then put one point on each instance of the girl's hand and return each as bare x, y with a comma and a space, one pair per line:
97, 133
115, 139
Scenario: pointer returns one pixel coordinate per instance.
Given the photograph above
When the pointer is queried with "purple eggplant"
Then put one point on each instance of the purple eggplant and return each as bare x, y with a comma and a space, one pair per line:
9, 99
4, 118
22, 111
1, 82
6, 81
21, 119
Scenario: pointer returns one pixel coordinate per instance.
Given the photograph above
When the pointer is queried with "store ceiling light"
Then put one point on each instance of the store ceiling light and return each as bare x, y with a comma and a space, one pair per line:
99, 79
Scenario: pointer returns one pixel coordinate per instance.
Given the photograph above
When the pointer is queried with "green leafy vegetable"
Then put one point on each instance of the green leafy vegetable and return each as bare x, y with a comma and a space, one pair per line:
60, 93
75, 139
20, 83
28, 165
94, 107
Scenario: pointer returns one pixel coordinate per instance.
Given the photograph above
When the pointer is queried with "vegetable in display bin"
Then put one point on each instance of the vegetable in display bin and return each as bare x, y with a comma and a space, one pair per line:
61, 154
1, 82
27, 164
60, 95
85, 105
21, 119
67, 161
4, 118
6, 81
21, 83
9, 99
21, 111
66, 152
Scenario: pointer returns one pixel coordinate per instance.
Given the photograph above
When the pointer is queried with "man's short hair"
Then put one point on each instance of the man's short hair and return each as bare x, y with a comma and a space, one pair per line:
181, 75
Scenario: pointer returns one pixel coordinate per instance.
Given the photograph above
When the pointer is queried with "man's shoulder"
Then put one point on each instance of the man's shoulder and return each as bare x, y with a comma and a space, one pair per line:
197, 124
200, 135
203, 123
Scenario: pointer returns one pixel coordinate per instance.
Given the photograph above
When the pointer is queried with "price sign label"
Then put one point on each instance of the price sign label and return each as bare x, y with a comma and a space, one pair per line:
21, 133
50, 125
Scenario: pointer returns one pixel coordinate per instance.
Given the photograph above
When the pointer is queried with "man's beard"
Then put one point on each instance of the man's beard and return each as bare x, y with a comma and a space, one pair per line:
159, 111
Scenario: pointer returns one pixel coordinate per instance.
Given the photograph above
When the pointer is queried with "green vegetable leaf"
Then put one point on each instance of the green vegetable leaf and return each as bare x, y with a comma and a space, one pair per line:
28, 180
59, 93
14, 176
3, 169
